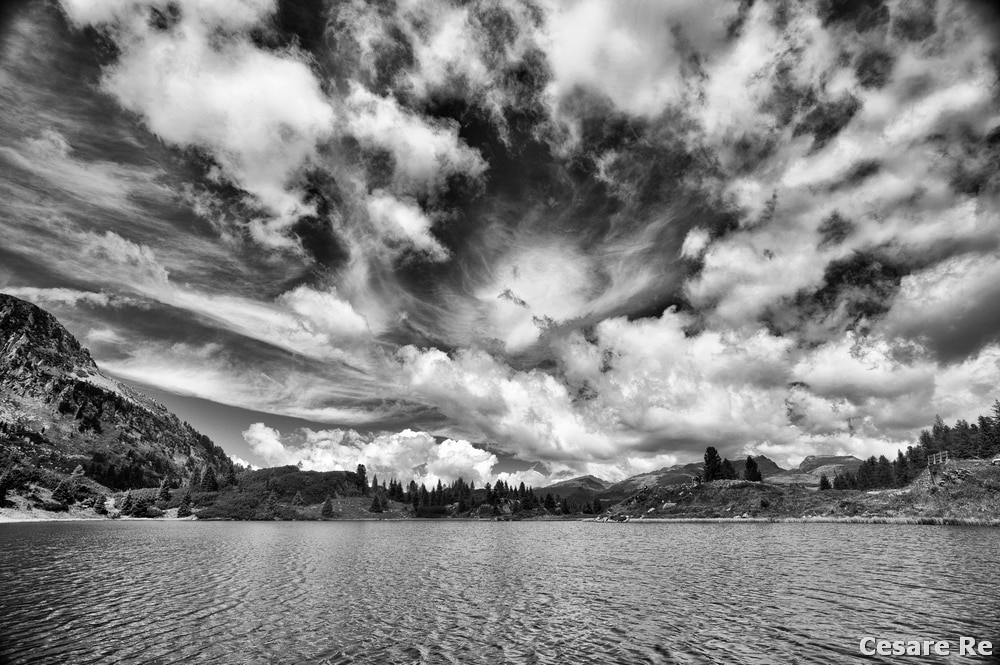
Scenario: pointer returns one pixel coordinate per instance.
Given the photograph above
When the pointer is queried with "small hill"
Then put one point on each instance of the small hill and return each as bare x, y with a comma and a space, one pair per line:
58, 411
680, 474
583, 483
814, 467
814, 463
768, 467
665, 477
964, 491
576, 490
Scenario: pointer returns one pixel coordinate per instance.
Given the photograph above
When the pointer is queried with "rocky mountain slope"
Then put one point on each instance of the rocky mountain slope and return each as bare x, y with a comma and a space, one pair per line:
582, 489
965, 491
586, 488
58, 411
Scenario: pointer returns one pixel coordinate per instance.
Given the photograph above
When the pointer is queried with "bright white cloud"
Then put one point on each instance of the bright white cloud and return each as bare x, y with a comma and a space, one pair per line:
425, 152
405, 221
195, 87
637, 53
405, 456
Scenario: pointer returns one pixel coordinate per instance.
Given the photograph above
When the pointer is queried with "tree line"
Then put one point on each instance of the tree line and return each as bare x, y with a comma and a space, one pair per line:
963, 440
463, 497
719, 468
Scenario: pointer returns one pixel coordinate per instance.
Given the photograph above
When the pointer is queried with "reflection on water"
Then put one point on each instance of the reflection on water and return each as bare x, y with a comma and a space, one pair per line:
465, 592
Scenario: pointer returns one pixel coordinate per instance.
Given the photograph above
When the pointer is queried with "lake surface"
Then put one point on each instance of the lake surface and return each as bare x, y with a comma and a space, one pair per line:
486, 592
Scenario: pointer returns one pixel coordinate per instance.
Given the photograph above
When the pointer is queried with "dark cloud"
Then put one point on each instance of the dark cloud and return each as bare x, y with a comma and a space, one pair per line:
914, 21
835, 229
863, 15
873, 67
825, 120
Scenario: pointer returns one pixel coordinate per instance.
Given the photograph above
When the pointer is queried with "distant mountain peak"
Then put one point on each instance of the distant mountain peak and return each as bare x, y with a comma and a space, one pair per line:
813, 462
30, 335
580, 482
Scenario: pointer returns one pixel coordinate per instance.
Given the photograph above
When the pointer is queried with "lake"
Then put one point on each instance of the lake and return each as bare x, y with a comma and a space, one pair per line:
488, 592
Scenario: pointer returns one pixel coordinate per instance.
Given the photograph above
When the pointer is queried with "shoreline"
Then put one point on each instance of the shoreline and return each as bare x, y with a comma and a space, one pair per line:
911, 521
24, 517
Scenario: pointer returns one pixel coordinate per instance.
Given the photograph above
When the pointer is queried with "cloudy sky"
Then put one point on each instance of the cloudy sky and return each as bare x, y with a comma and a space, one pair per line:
528, 237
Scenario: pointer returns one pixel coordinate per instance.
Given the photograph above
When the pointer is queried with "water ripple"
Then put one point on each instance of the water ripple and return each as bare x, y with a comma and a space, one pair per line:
468, 592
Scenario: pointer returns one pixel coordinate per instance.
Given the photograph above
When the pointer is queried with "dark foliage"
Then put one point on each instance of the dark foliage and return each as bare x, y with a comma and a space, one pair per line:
327, 509
288, 481
752, 471
208, 481
728, 471
164, 493
713, 465
184, 510
362, 479
64, 493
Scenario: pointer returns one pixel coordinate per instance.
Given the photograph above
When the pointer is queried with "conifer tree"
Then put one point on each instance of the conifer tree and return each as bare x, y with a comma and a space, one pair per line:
164, 493
298, 500
901, 470
376, 506
327, 509
184, 510
598, 508
125, 507
824, 482
208, 481
752, 471
362, 479
728, 471
564, 506
63, 494
550, 503
713, 465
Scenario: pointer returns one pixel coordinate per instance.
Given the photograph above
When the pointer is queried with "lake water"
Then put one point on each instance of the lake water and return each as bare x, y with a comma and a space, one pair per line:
486, 592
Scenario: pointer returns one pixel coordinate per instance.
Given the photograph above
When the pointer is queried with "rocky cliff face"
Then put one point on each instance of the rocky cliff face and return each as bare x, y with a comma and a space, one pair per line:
58, 411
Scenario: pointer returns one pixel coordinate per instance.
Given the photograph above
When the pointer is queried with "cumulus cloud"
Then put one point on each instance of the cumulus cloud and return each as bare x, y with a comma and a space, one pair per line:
196, 88
531, 413
324, 312
406, 456
405, 221
425, 152
638, 54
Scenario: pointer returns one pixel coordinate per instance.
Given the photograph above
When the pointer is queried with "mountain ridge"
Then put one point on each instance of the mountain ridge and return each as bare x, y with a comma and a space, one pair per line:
58, 411
677, 474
